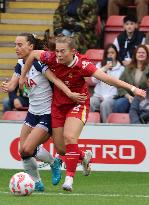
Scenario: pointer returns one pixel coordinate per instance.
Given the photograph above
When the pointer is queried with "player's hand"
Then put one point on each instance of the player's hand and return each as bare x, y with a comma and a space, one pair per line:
5, 86
140, 92
77, 97
22, 81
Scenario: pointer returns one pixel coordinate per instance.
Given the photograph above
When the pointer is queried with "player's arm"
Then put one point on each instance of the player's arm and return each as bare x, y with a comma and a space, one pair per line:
118, 83
10, 85
76, 97
34, 55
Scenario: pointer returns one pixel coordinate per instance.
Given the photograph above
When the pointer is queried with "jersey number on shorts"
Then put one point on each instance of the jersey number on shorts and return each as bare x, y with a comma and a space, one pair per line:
77, 108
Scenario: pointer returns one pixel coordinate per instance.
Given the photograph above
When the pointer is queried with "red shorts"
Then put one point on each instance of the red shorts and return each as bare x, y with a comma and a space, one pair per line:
59, 114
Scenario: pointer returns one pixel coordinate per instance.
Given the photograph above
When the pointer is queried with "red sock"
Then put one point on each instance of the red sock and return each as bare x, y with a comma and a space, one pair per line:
71, 159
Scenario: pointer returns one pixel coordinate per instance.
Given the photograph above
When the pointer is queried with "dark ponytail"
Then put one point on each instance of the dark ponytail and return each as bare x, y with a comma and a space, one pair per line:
49, 41
37, 43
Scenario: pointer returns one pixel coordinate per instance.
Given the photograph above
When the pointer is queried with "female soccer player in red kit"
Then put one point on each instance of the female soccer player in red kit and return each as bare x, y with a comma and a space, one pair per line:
68, 117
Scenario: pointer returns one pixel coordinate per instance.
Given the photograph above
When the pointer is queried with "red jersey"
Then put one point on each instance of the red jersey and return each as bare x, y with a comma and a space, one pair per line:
72, 75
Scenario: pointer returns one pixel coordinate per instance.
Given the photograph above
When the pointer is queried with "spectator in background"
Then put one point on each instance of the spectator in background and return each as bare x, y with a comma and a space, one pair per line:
102, 99
17, 100
78, 18
102, 4
135, 73
128, 39
147, 40
141, 7
139, 109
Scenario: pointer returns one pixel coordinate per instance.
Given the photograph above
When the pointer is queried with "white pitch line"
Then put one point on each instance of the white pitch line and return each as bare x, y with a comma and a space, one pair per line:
87, 194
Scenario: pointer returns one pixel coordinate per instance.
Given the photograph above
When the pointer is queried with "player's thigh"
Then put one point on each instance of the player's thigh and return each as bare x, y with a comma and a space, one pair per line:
58, 139
37, 136
72, 130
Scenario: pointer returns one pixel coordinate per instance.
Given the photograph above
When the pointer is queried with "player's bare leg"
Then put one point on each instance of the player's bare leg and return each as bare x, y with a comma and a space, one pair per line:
72, 129
35, 138
29, 163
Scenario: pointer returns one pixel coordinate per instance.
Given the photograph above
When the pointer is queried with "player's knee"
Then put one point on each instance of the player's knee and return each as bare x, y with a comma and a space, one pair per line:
69, 138
26, 152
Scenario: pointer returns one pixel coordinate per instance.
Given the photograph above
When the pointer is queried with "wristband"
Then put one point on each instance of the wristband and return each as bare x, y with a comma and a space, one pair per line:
133, 89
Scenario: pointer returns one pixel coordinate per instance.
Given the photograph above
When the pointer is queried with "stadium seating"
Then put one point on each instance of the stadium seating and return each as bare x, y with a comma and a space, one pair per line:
113, 27
94, 117
95, 55
119, 118
114, 23
14, 115
144, 25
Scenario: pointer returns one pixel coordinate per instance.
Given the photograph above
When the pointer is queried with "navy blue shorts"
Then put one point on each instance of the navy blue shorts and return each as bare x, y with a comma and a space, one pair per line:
43, 121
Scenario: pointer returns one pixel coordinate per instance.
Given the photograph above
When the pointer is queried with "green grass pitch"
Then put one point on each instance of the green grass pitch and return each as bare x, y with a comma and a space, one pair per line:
100, 188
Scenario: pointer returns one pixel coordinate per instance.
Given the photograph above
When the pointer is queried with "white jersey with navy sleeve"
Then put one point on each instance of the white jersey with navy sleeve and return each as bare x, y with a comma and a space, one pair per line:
40, 91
